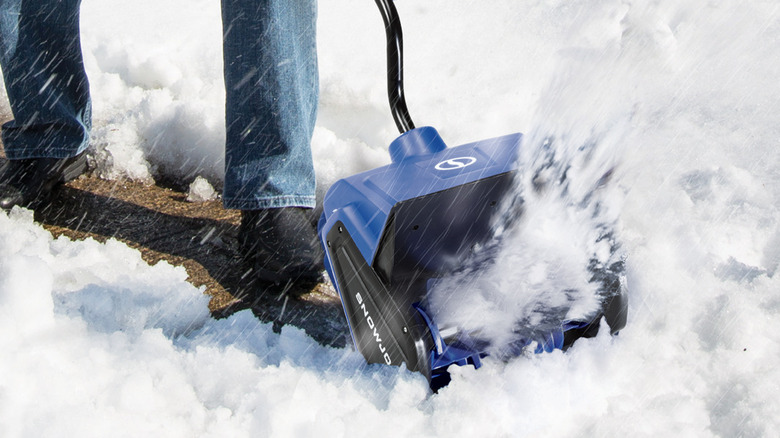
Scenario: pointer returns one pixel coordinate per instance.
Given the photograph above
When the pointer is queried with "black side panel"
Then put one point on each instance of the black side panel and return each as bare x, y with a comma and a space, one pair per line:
616, 311
383, 331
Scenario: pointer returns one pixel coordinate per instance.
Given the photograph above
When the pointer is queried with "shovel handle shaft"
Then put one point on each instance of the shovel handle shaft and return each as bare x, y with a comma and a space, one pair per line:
395, 72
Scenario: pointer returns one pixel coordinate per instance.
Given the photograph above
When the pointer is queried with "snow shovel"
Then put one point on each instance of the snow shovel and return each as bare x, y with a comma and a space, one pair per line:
390, 233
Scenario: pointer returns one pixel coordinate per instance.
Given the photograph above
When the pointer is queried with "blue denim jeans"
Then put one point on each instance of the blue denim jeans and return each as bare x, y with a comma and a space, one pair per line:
272, 90
47, 87
271, 80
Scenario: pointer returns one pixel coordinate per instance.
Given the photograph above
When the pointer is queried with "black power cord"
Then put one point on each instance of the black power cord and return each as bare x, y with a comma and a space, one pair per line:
395, 62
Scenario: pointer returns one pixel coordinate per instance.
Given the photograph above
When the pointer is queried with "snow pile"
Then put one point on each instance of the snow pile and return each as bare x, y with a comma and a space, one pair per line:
80, 274
95, 340
681, 99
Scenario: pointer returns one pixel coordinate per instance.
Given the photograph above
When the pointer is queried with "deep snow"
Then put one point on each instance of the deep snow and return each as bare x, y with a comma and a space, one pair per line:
681, 96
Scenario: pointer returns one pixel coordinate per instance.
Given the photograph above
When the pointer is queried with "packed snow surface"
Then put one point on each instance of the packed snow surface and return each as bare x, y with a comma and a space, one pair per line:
680, 98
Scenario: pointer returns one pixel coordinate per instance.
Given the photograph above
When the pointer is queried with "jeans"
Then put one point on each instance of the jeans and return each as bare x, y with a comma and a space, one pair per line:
271, 81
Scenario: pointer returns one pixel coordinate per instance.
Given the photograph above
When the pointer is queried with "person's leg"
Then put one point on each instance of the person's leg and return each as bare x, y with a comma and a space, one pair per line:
271, 81
40, 54
272, 91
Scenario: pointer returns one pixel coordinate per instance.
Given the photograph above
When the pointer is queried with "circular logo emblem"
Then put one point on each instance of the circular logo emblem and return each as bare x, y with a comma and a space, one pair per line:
456, 163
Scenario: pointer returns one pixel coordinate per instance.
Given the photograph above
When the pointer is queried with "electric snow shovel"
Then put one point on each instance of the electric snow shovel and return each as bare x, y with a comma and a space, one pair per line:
391, 232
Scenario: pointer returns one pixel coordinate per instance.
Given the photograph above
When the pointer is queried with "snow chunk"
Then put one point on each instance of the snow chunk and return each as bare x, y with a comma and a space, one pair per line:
201, 191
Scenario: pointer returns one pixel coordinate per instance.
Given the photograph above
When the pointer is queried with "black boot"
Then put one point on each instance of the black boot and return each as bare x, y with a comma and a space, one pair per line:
280, 245
28, 182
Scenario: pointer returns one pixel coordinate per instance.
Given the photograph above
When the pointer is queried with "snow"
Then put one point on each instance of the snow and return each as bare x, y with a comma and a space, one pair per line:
681, 97
200, 190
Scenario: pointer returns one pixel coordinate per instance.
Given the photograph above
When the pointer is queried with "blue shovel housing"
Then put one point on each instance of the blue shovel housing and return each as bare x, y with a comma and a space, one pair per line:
388, 231
391, 232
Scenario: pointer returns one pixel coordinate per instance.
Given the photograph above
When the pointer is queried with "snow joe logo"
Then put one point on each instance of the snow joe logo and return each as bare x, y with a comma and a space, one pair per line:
456, 163
372, 326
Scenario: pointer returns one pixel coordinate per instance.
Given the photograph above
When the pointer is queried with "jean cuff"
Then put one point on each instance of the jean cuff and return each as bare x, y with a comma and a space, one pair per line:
271, 202
22, 153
